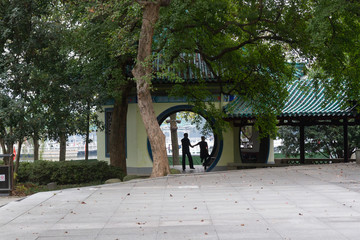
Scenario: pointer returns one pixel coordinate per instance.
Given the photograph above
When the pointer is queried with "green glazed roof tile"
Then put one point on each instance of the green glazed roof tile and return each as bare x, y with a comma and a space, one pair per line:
305, 100
188, 74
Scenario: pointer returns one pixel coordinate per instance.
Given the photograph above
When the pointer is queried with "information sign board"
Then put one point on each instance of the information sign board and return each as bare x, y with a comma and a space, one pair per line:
5, 183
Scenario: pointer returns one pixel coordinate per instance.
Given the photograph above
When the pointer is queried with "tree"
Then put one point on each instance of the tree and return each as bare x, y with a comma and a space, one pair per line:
36, 67
333, 51
12, 123
143, 74
104, 41
325, 140
62, 91
245, 45
253, 33
24, 35
174, 139
335, 32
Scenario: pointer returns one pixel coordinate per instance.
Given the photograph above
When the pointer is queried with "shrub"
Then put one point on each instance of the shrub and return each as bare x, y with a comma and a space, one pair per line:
68, 172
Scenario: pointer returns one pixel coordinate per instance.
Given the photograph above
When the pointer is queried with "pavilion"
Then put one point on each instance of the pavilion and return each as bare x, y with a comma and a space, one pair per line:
306, 106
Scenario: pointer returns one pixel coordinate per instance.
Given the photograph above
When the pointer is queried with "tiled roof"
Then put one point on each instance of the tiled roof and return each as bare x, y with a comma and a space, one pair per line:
239, 108
198, 71
305, 100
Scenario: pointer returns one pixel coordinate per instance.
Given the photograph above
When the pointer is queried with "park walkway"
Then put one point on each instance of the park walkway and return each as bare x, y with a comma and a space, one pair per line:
300, 202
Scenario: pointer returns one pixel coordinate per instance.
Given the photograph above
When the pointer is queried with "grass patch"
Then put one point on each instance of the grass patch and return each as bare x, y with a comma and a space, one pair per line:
174, 171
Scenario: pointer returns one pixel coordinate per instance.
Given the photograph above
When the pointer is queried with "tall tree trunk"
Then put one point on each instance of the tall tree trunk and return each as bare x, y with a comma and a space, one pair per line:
17, 159
36, 146
62, 155
142, 73
7, 148
118, 132
3, 147
87, 132
174, 139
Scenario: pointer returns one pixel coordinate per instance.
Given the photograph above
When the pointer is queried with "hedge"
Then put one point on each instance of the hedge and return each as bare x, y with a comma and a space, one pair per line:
67, 172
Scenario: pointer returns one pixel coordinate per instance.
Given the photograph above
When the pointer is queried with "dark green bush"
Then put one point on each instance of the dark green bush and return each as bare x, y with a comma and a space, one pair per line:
68, 172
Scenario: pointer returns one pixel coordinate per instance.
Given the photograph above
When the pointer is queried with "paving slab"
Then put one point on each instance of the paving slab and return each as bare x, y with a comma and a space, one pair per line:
5, 199
299, 202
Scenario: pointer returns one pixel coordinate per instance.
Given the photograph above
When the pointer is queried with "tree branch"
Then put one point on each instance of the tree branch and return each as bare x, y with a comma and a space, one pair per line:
249, 41
238, 85
163, 3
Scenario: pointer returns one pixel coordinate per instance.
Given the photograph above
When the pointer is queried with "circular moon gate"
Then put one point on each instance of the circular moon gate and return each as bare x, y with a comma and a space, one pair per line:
218, 142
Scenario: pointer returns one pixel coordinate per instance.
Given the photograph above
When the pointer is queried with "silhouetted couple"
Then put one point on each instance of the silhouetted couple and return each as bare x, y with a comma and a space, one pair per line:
185, 144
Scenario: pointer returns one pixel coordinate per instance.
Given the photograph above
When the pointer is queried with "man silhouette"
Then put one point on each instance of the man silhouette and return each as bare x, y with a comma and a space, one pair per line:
185, 144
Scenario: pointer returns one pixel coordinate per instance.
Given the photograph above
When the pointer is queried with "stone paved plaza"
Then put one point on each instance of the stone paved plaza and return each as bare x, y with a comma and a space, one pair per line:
300, 202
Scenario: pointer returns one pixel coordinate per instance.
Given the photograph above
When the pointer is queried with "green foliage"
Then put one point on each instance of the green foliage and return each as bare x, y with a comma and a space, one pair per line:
60, 59
26, 44
70, 172
104, 44
327, 141
245, 45
174, 171
335, 33
40, 71
11, 118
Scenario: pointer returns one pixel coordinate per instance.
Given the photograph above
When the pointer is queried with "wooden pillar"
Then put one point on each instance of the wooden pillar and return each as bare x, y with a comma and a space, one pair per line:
346, 142
302, 144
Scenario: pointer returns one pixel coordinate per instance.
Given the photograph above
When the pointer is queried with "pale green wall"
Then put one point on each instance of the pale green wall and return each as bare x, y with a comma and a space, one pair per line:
227, 155
271, 152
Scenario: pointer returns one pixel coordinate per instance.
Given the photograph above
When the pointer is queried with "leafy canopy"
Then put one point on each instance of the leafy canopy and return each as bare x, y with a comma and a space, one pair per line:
246, 45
